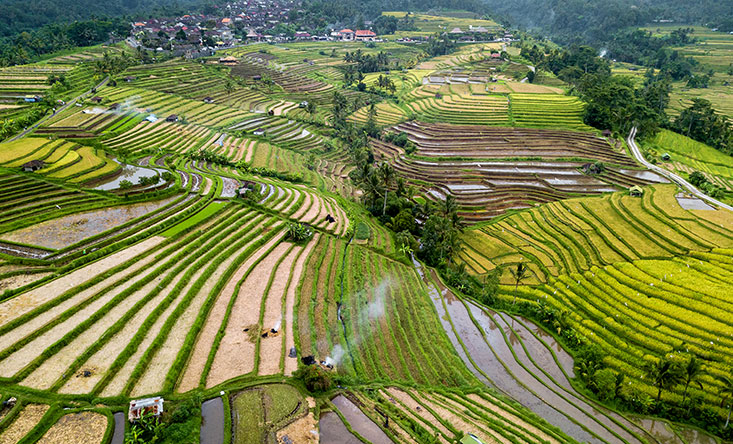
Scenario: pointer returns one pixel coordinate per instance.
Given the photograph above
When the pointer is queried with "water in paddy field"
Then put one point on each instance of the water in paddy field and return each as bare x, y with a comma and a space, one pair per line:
496, 347
359, 421
212, 424
333, 431
132, 173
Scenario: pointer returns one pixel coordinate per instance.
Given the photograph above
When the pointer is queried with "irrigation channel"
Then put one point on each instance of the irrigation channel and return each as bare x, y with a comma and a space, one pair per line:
507, 353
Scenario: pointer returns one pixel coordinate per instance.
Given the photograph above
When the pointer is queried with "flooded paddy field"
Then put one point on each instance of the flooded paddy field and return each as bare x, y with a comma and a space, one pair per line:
68, 230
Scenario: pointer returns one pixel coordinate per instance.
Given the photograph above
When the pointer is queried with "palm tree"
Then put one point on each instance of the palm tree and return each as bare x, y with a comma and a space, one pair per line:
664, 374
727, 393
520, 273
386, 172
692, 371
229, 86
450, 206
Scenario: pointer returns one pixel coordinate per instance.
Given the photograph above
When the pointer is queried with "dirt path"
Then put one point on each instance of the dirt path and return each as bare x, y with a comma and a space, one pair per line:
271, 346
291, 364
207, 186
202, 347
250, 151
84, 427
23, 423
235, 355
23, 303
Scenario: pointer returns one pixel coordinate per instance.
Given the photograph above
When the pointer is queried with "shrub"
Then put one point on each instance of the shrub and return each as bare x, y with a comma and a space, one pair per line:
298, 232
315, 378
125, 185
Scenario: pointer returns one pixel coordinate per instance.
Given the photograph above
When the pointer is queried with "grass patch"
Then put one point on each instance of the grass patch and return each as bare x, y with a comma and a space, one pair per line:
204, 214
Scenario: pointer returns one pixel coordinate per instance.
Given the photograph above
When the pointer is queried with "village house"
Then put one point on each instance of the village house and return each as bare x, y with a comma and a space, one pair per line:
33, 165
346, 35
228, 61
140, 407
365, 35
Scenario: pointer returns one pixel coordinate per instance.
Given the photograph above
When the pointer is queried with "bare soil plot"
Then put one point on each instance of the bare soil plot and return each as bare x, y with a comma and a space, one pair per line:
17, 281
291, 364
84, 427
25, 302
271, 344
202, 347
100, 362
48, 315
23, 423
302, 431
53, 368
154, 376
235, 355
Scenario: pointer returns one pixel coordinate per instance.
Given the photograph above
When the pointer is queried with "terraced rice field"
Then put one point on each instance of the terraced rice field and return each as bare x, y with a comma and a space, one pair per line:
636, 310
373, 333
25, 81
576, 235
190, 288
512, 353
687, 155
61, 159
477, 166
418, 414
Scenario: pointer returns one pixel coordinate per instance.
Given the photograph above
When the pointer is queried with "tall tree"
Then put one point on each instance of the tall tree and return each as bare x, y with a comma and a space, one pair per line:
386, 173
726, 392
519, 274
664, 374
692, 372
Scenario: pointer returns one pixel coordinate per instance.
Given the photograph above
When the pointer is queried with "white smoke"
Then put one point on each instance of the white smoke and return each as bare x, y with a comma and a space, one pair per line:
337, 354
373, 310
604, 51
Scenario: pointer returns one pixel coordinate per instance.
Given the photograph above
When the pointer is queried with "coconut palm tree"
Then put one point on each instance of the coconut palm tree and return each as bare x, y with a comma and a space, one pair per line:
663, 374
450, 206
727, 393
692, 372
386, 173
520, 273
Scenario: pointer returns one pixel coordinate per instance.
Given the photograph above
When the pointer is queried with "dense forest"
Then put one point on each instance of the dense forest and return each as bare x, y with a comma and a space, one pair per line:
20, 15
596, 21
319, 13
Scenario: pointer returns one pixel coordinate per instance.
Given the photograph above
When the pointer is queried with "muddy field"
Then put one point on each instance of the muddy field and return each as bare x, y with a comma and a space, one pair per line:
68, 230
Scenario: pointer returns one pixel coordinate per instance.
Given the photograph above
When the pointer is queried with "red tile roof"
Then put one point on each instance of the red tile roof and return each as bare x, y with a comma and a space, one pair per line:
365, 33
346, 31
